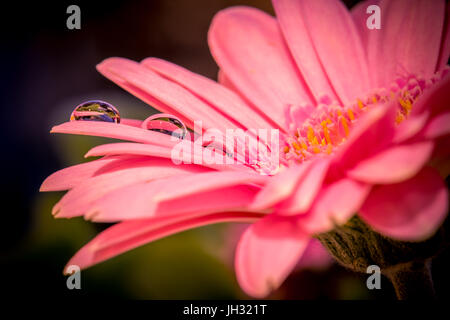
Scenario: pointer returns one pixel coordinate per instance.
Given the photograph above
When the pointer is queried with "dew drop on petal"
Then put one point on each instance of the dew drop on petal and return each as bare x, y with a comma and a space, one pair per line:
165, 123
95, 110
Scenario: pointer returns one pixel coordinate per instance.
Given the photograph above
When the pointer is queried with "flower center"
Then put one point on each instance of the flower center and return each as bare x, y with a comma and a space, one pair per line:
328, 125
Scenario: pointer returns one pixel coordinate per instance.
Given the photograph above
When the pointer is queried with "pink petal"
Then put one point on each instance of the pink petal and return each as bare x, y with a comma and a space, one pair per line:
248, 46
137, 202
191, 155
343, 58
131, 122
77, 201
360, 16
315, 256
372, 133
219, 97
163, 94
306, 190
410, 128
194, 183
434, 100
128, 235
334, 205
225, 81
445, 45
115, 131
68, 178
266, 254
179, 194
411, 35
438, 126
411, 210
298, 39
395, 164
280, 186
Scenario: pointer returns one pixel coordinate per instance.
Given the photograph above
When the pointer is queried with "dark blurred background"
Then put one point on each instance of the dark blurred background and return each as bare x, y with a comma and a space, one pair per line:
46, 70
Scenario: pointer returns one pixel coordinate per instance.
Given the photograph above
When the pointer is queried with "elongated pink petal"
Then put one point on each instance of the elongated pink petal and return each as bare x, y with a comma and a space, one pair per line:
146, 186
372, 133
315, 257
438, 126
306, 190
137, 202
343, 58
325, 19
164, 94
78, 200
334, 205
280, 186
115, 131
360, 16
411, 33
444, 54
394, 164
410, 128
69, 177
188, 157
269, 78
225, 81
434, 100
194, 193
221, 98
266, 254
411, 210
128, 235
289, 15
191, 184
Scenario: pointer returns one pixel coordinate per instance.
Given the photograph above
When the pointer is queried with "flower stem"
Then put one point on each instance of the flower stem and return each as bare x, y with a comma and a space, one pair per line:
412, 280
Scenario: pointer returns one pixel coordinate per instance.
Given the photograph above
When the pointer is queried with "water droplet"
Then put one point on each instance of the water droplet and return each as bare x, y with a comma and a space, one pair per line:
166, 123
95, 110
218, 147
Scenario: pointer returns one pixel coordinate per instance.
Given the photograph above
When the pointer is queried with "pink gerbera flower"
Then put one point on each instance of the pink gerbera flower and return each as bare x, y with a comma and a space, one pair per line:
362, 115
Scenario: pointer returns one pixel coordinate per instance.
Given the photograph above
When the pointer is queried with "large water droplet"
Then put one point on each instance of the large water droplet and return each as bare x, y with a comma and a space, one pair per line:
165, 123
95, 110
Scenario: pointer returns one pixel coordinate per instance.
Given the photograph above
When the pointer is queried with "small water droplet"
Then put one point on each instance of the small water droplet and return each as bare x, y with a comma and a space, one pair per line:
95, 110
218, 147
165, 123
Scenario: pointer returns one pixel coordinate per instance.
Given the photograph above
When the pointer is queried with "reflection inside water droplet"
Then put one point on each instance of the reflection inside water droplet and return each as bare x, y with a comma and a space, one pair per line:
95, 110
165, 123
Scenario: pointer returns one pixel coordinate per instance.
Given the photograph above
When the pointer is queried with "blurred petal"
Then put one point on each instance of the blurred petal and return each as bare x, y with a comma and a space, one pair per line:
438, 126
394, 164
128, 235
334, 205
306, 190
69, 177
445, 45
137, 202
360, 16
409, 211
267, 252
280, 186
78, 200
